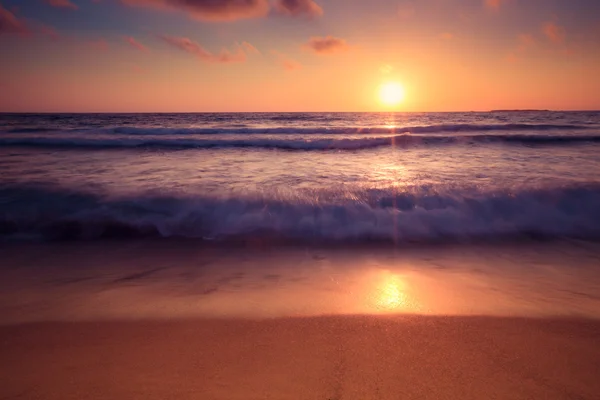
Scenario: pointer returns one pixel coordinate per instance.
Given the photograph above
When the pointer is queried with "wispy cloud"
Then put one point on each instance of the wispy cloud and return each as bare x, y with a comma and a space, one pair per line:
49, 31
63, 4
555, 33
249, 49
285, 62
135, 44
494, 4
224, 57
307, 8
291, 65
98, 45
525, 42
209, 10
9, 23
326, 45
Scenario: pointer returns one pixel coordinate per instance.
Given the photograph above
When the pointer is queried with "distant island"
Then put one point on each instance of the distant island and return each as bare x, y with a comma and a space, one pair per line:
507, 111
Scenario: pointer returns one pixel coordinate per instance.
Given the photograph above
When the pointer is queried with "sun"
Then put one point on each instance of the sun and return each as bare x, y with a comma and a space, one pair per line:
391, 94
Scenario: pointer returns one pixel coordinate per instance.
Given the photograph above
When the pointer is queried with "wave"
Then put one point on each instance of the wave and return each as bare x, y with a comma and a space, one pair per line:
418, 214
424, 129
296, 144
33, 130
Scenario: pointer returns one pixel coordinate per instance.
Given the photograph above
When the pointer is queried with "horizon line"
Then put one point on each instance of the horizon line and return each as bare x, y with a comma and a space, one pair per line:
516, 110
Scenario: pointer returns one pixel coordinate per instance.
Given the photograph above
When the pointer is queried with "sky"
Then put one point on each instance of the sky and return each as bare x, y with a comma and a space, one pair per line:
298, 55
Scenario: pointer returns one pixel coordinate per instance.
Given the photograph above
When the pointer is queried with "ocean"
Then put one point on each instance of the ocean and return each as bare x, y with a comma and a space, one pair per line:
341, 178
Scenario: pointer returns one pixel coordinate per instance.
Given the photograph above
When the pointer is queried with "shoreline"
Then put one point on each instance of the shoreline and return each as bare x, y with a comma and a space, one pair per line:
261, 242
157, 279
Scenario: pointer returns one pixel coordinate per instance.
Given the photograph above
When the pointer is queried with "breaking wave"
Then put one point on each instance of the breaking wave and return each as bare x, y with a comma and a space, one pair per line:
417, 214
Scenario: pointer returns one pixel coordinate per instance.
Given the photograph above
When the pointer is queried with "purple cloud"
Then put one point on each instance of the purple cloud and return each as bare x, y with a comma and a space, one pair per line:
224, 57
9, 23
326, 45
63, 4
209, 10
135, 44
307, 8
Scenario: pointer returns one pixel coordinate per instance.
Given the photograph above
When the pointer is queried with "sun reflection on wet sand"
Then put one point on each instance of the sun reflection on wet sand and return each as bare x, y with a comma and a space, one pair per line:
119, 283
390, 294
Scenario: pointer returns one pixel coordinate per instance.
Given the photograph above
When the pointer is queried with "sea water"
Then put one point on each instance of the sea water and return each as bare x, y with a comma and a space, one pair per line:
325, 177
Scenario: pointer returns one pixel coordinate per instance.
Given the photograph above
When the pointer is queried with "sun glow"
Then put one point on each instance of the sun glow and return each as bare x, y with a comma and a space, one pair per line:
391, 94
391, 294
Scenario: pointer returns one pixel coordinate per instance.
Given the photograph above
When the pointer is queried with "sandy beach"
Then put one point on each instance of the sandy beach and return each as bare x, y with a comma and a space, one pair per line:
103, 320
362, 357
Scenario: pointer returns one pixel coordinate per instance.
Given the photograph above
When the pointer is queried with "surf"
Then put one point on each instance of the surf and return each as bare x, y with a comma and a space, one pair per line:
418, 214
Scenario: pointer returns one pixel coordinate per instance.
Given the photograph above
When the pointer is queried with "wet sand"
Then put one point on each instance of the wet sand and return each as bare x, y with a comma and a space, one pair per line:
156, 320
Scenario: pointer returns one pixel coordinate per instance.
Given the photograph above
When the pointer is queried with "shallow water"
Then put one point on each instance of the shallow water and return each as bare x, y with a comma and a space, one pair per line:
173, 279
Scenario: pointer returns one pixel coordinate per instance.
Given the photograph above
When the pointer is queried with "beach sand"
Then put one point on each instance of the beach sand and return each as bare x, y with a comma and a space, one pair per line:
172, 319
362, 357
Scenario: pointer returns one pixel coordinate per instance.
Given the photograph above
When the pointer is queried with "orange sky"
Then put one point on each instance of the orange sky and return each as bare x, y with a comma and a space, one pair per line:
297, 55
